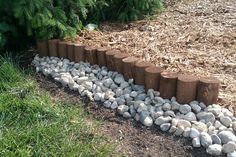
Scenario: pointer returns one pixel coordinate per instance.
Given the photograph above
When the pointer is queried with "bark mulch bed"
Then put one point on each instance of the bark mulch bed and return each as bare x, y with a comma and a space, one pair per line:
196, 37
131, 137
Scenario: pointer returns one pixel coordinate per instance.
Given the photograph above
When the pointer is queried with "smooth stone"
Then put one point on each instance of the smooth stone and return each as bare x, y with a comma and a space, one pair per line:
175, 121
137, 117
222, 128
161, 120
133, 94
233, 154
185, 109
141, 97
206, 116
202, 105
126, 115
226, 121
157, 114
190, 117
217, 124
147, 121
195, 107
148, 101
150, 93
119, 79
206, 140
122, 108
226, 112
114, 105
107, 104
194, 133
103, 72
215, 139
214, 149
173, 99
172, 129
186, 132
165, 126
119, 92
109, 94
108, 82
80, 80
137, 103
166, 107
175, 106
215, 111
196, 142
124, 84
234, 126
229, 147
132, 112
170, 113
120, 101
179, 131
183, 123
158, 100
142, 107
227, 136
99, 96
199, 126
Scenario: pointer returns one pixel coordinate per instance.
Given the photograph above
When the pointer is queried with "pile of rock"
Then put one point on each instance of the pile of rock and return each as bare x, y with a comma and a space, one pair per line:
212, 127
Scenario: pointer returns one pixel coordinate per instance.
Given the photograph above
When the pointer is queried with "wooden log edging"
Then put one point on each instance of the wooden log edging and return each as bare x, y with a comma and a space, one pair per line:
185, 88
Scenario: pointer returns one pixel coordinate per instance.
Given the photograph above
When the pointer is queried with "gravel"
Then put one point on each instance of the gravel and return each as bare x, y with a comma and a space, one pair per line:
211, 127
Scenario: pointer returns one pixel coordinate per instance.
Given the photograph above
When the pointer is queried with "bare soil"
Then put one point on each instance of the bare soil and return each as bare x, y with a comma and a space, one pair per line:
195, 37
130, 137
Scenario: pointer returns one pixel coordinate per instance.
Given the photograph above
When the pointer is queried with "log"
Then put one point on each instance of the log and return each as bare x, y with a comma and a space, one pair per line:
110, 59
101, 56
186, 89
139, 72
128, 67
42, 47
168, 83
91, 54
70, 51
118, 61
79, 53
53, 47
208, 90
62, 49
152, 77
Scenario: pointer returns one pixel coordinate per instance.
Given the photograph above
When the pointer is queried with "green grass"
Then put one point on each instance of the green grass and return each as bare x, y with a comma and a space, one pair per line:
32, 123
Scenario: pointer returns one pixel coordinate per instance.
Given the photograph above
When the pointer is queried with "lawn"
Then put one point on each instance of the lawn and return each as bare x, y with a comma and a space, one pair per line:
32, 123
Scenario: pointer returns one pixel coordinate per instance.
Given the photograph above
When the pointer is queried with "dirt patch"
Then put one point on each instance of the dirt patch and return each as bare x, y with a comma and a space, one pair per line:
132, 138
196, 37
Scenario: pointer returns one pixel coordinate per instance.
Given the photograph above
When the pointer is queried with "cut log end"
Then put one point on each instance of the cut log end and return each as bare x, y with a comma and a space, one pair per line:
131, 60
79, 52
110, 59
70, 51
169, 75
90, 54
128, 67
62, 49
101, 55
152, 77
118, 61
186, 88
53, 47
168, 84
154, 70
139, 73
208, 90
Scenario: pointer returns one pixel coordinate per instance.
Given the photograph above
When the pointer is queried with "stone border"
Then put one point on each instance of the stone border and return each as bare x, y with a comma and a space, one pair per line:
186, 89
212, 126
